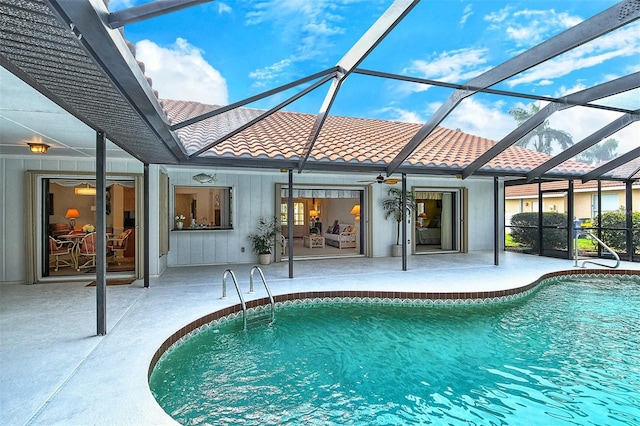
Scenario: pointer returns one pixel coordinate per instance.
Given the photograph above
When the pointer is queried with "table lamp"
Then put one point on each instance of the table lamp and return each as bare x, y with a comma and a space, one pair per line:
72, 215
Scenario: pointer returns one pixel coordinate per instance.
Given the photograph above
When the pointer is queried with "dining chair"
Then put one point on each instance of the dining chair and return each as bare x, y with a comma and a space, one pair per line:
57, 250
87, 251
119, 244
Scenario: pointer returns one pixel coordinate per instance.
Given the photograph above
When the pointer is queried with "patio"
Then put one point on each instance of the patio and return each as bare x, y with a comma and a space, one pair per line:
55, 370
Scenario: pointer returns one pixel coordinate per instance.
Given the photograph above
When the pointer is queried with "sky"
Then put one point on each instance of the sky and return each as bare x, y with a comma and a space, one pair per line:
226, 51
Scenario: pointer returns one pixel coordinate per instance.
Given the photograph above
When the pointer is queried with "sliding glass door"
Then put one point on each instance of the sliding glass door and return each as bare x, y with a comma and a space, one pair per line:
437, 220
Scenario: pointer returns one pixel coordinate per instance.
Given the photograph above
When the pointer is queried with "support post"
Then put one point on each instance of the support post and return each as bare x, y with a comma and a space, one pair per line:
496, 222
146, 230
540, 220
629, 217
101, 233
290, 222
404, 221
571, 221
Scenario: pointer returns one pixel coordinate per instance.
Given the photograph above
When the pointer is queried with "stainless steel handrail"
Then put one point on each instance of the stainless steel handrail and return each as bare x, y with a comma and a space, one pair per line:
606, 247
266, 286
224, 294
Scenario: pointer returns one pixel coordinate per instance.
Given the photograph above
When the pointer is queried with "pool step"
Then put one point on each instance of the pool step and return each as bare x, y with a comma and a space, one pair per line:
260, 319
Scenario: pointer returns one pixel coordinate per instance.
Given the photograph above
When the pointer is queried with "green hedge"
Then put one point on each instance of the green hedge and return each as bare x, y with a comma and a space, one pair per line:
617, 240
524, 230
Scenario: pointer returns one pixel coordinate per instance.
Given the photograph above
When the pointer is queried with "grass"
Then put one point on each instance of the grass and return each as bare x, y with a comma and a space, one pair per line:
584, 244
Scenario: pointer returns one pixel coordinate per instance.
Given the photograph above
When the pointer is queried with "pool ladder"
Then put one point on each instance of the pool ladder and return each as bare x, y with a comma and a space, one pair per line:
258, 319
606, 247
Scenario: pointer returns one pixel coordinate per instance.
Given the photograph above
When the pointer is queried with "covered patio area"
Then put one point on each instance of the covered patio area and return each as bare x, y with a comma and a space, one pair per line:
55, 370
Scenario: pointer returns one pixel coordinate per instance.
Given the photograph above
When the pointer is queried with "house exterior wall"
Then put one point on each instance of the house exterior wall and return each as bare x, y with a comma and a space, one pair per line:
253, 196
13, 192
582, 202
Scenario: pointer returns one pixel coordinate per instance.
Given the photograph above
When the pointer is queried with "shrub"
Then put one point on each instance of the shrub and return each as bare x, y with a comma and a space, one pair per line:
524, 230
617, 239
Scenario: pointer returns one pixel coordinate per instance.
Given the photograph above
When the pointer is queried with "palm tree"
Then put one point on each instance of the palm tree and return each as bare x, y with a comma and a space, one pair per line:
603, 151
393, 207
543, 136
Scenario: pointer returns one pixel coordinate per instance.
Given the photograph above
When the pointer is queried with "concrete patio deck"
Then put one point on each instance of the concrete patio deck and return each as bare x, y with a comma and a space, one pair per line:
55, 370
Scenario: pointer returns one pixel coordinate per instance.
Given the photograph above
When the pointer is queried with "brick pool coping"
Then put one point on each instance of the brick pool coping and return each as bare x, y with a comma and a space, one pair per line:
428, 297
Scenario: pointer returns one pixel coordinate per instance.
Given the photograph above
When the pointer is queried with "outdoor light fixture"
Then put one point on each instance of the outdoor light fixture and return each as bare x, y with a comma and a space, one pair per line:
38, 148
72, 215
204, 178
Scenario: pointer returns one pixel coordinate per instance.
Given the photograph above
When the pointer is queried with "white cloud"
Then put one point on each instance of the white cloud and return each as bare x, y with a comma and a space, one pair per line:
401, 115
180, 72
582, 122
499, 16
308, 28
261, 76
482, 119
455, 66
530, 27
466, 13
621, 43
223, 8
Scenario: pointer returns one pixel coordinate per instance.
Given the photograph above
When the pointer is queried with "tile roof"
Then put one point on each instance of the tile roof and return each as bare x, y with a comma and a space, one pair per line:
530, 190
344, 140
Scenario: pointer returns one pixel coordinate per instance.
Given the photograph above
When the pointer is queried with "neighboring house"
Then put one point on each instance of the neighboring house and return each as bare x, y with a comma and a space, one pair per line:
524, 198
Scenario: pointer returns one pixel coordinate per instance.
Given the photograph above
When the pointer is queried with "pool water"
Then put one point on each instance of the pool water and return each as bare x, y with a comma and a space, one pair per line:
568, 354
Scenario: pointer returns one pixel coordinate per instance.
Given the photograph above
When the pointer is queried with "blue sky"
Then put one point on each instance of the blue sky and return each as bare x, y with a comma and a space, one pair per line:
225, 51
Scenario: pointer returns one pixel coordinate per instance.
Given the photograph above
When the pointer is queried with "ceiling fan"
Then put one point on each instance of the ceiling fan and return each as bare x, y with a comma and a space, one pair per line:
382, 179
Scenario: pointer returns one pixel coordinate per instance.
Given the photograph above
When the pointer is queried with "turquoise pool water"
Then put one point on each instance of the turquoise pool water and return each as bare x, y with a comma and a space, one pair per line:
568, 354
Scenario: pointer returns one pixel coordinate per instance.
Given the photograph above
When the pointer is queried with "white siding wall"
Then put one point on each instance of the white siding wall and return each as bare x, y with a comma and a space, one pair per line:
12, 204
253, 196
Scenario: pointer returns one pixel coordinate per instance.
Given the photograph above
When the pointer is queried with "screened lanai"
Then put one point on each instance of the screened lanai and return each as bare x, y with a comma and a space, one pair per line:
355, 111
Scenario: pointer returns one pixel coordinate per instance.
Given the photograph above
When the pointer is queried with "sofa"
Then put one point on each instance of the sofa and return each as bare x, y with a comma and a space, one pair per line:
344, 238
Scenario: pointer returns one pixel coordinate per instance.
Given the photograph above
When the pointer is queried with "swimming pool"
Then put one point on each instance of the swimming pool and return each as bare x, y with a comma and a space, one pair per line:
568, 354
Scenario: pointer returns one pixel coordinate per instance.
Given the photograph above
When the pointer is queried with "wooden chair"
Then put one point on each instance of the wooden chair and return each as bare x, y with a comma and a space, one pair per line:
87, 251
58, 249
119, 244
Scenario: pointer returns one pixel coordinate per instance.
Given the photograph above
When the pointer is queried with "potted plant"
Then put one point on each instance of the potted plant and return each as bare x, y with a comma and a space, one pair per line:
264, 239
393, 207
180, 221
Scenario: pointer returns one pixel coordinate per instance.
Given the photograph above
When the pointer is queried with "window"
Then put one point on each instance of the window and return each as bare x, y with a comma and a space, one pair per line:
298, 214
609, 203
207, 207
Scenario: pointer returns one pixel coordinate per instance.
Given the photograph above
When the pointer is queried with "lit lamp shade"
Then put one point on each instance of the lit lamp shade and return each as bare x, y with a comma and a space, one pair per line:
313, 213
72, 215
356, 211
